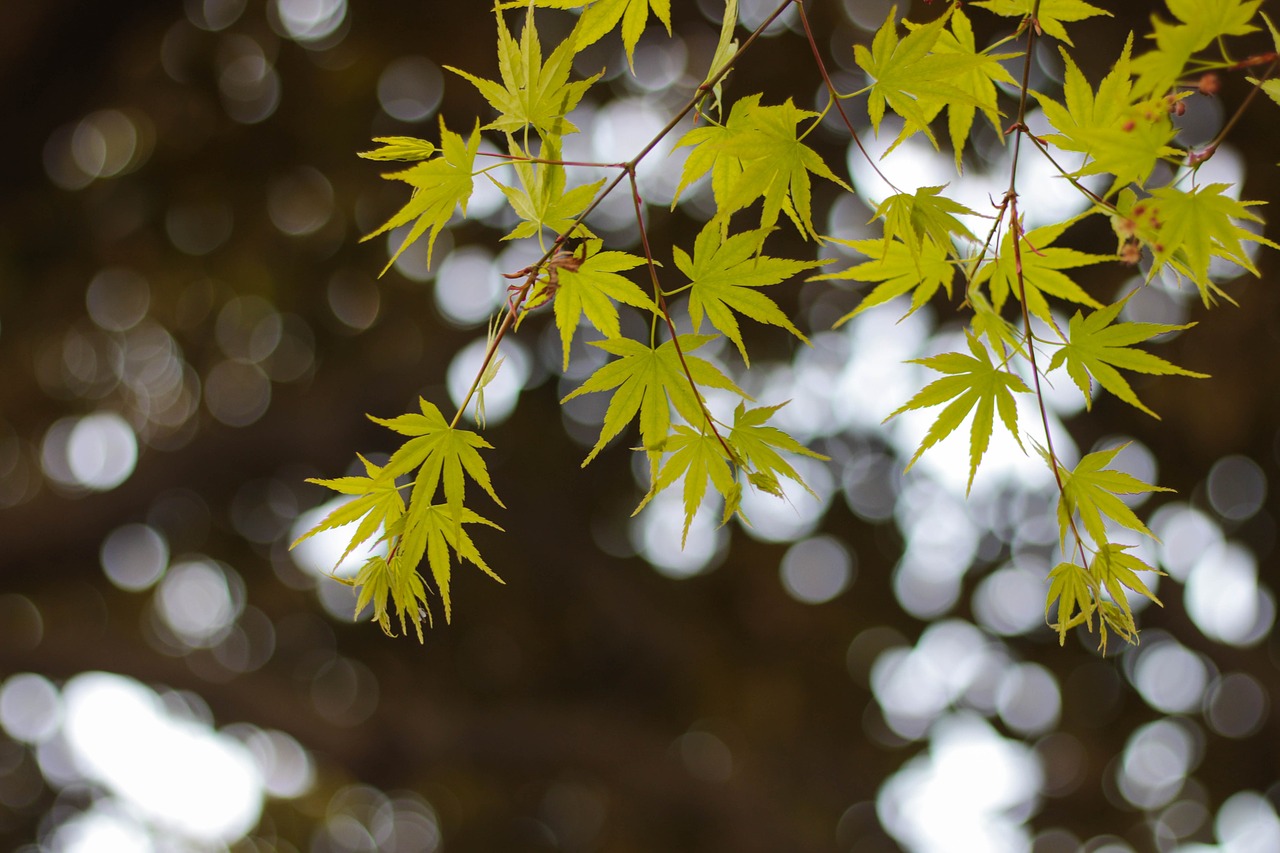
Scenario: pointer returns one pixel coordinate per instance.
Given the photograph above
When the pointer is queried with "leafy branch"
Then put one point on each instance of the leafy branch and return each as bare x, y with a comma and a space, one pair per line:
761, 169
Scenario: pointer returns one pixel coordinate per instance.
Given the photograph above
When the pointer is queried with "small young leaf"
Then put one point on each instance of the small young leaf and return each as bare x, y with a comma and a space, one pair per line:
591, 289
1050, 14
698, 457
400, 148
757, 444
898, 270
1074, 590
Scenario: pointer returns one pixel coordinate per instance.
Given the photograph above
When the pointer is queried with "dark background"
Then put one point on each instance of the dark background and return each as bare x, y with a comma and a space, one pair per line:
585, 670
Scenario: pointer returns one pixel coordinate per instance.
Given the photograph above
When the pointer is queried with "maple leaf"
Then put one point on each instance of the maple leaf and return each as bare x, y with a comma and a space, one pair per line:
1050, 16
531, 93
1090, 491
970, 381
378, 581
757, 444
1115, 569
911, 78
649, 382
603, 16
1074, 589
775, 165
439, 185
1042, 264
1121, 137
898, 270
591, 289
400, 148
1196, 226
543, 204
1097, 345
377, 505
697, 456
926, 213
1202, 23
726, 47
977, 82
441, 453
707, 154
433, 530
723, 275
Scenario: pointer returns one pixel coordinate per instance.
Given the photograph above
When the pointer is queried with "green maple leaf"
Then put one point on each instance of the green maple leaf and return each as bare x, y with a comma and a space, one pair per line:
603, 16
1075, 590
1051, 15
926, 213
543, 204
775, 166
1196, 226
441, 454
400, 148
433, 531
439, 185
978, 82
1090, 491
726, 47
592, 289
724, 275
708, 154
377, 505
1201, 23
1097, 345
911, 78
970, 381
898, 270
698, 457
1122, 137
1042, 264
649, 382
532, 93
1112, 567
757, 444
380, 581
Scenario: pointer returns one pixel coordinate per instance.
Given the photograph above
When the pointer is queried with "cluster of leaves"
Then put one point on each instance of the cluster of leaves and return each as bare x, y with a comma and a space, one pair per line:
1013, 281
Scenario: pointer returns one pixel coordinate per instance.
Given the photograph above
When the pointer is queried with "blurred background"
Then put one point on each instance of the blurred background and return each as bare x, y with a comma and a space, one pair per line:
189, 328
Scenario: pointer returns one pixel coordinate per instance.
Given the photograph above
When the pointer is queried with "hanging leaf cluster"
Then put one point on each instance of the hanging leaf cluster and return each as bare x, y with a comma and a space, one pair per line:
1032, 311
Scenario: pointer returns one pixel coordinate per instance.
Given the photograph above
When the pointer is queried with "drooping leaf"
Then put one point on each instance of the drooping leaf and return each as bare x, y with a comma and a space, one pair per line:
726, 47
1114, 568
591, 289
970, 381
1090, 491
439, 185
431, 530
380, 583
532, 93
898, 271
724, 275
649, 382
1051, 15
1096, 345
1073, 589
